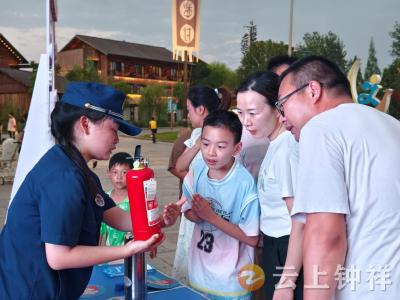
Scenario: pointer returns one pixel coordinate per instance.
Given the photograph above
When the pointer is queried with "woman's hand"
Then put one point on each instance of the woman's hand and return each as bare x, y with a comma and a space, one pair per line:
151, 244
171, 213
202, 208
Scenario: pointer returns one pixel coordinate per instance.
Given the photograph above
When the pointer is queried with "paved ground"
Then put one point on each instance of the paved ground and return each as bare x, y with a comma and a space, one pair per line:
167, 190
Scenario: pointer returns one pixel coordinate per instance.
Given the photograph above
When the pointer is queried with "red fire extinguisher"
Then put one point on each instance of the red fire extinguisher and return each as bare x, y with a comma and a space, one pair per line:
144, 209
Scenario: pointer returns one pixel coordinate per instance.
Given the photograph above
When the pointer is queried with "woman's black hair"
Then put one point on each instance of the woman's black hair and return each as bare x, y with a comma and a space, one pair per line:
265, 83
63, 118
209, 98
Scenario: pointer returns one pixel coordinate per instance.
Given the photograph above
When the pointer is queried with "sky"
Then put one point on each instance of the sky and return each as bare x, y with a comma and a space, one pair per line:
22, 22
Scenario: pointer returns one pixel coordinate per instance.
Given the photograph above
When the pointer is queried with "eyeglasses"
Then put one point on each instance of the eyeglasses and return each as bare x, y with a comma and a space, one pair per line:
279, 103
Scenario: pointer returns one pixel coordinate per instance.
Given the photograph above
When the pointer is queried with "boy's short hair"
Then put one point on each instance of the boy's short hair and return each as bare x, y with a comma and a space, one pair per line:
225, 119
121, 158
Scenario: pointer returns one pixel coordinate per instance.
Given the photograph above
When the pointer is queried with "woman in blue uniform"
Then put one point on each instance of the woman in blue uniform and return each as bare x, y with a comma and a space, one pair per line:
49, 243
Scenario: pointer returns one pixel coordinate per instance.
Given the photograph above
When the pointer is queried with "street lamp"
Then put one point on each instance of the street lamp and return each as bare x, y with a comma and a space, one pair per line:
290, 28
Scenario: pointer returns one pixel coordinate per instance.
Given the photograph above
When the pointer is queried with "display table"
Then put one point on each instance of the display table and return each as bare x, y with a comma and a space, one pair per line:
104, 287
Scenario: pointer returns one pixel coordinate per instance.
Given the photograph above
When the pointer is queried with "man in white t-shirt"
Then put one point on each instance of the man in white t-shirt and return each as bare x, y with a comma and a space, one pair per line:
348, 190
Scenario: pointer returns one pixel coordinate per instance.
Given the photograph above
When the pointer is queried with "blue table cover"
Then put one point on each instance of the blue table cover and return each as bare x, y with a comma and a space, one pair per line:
104, 287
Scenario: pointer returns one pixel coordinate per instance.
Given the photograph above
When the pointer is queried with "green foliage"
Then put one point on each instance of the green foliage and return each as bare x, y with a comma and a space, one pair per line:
395, 35
199, 71
391, 79
179, 94
34, 65
168, 137
219, 75
124, 87
258, 55
152, 104
88, 73
328, 45
372, 64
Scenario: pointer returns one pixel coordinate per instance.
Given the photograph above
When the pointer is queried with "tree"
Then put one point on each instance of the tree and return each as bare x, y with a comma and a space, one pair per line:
258, 55
395, 35
152, 104
372, 64
34, 65
199, 71
88, 73
219, 75
179, 94
248, 38
124, 87
328, 45
391, 79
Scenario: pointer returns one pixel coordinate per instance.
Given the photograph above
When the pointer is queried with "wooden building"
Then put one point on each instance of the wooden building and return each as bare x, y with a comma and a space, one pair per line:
15, 88
136, 64
13, 83
9, 56
120, 61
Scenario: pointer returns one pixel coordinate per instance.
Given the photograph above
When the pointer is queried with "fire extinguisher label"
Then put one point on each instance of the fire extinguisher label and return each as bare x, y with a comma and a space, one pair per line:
150, 188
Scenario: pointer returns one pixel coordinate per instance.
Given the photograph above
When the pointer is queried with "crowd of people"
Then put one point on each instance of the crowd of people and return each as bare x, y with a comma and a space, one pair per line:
300, 180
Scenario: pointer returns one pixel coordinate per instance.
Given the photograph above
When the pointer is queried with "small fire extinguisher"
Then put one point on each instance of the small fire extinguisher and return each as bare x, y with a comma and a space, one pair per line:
142, 186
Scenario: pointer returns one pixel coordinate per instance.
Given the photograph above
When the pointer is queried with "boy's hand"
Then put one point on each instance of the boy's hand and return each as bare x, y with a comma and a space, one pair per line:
202, 208
171, 212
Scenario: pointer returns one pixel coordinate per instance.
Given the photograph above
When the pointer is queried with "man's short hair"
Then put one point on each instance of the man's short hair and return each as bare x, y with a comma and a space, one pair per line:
321, 69
225, 119
279, 60
121, 158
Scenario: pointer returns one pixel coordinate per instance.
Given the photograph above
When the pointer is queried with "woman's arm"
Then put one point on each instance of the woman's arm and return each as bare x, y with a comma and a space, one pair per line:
294, 258
121, 220
61, 257
183, 162
174, 171
118, 219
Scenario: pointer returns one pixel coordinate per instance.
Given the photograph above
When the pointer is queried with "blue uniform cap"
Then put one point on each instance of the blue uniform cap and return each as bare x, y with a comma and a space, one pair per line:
101, 98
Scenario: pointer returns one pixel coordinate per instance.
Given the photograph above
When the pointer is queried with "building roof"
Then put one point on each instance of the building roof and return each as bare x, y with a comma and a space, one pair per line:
127, 49
12, 50
24, 77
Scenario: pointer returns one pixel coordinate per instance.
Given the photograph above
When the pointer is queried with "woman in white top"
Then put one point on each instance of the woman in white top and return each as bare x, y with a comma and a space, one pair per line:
201, 101
256, 98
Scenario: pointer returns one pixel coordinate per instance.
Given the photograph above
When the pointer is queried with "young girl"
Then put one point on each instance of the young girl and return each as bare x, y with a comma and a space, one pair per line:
50, 241
201, 101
